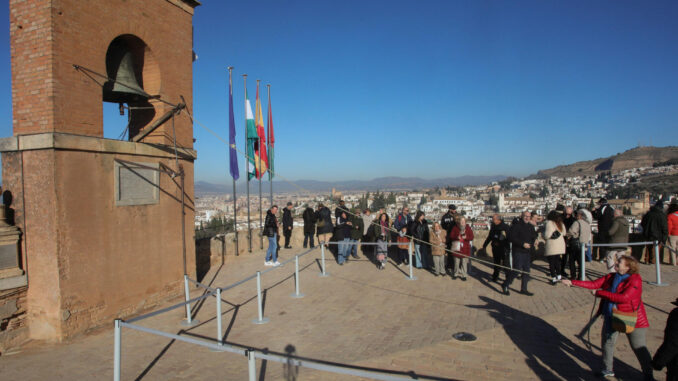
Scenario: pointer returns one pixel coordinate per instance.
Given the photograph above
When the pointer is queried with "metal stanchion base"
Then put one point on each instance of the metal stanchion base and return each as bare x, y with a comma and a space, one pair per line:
297, 296
658, 284
412, 278
262, 321
193, 322
216, 350
324, 275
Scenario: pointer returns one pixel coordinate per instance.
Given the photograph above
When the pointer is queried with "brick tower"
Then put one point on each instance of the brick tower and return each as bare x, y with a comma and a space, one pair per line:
100, 219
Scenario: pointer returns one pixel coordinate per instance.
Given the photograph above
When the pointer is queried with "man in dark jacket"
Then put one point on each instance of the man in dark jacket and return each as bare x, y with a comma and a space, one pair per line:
522, 235
287, 224
342, 234
339, 209
667, 354
309, 226
655, 228
357, 227
604, 214
447, 223
271, 231
499, 238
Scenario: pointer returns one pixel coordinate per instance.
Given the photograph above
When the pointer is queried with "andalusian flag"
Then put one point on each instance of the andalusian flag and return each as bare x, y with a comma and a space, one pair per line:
271, 139
262, 161
252, 139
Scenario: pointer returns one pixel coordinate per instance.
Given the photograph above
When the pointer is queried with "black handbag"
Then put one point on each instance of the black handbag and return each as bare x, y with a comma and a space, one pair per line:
555, 235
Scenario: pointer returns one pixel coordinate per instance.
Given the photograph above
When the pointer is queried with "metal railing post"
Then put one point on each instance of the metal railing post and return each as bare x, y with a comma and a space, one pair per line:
219, 318
322, 260
251, 365
296, 279
410, 248
511, 255
187, 296
582, 264
116, 350
261, 319
657, 263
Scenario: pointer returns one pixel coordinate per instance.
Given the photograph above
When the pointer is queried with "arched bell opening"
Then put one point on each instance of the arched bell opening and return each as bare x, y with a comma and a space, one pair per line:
134, 79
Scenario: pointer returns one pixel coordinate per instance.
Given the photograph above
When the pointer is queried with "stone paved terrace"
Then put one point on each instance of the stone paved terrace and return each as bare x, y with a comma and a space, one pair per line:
365, 318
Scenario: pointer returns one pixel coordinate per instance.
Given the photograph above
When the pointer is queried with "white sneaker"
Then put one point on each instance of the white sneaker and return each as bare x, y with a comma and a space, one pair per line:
560, 277
276, 263
268, 263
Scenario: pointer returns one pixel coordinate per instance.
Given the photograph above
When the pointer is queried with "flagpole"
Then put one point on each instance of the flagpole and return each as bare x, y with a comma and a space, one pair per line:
247, 171
261, 224
235, 215
268, 143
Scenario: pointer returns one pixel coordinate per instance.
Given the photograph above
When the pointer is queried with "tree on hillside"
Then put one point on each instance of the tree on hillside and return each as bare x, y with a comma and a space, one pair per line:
391, 199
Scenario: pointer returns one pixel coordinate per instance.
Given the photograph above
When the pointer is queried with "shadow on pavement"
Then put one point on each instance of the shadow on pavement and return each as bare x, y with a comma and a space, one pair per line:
549, 353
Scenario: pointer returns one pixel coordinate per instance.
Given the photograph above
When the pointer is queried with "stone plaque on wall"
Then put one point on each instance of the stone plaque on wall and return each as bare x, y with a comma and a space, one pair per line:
136, 184
9, 257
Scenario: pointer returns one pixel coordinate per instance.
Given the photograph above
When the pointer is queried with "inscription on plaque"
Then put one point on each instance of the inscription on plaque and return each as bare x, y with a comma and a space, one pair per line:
136, 185
9, 257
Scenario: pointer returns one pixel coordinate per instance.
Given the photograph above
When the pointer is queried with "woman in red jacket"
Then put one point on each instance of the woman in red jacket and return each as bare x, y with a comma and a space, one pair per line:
622, 290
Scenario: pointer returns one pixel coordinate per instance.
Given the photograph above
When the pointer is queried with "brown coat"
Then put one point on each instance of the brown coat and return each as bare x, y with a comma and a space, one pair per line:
437, 242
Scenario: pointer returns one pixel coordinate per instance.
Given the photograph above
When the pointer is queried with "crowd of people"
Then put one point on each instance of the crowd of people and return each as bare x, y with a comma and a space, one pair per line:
559, 239
446, 247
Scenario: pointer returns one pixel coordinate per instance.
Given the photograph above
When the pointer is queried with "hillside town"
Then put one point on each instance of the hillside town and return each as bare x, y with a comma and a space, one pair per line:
478, 203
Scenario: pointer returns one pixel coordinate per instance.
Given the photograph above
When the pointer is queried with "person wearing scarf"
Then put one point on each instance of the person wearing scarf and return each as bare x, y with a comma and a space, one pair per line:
381, 234
621, 290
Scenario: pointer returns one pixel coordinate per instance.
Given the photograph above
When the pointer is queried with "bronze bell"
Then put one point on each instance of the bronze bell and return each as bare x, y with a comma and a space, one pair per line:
125, 88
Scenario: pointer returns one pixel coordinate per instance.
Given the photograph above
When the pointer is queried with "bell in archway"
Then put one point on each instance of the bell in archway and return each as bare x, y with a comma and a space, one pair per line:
124, 88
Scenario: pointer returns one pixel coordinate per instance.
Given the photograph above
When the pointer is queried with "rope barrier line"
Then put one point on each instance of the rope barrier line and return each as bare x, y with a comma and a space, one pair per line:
391, 229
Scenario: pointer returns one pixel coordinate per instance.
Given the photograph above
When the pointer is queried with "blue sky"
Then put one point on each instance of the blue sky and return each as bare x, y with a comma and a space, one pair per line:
365, 89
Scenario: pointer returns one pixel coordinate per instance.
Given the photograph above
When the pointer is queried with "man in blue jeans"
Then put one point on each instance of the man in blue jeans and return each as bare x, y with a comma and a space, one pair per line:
343, 235
271, 231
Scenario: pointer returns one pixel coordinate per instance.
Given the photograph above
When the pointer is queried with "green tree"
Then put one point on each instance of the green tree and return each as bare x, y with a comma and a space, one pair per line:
391, 199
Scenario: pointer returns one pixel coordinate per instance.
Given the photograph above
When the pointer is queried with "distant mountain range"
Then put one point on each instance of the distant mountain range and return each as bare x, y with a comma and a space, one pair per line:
381, 183
633, 158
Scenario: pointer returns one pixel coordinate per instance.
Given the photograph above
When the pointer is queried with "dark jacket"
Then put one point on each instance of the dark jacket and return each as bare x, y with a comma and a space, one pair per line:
655, 227
604, 218
420, 231
357, 228
667, 354
619, 231
343, 229
403, 222
447, 222
628, 297
375, 232
498, 237
270, 224
522, 233
309, 221
338, 210
325, 215
287, 219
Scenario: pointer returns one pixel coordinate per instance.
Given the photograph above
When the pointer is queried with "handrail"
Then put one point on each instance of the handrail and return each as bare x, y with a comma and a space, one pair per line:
222, 347
166, 309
